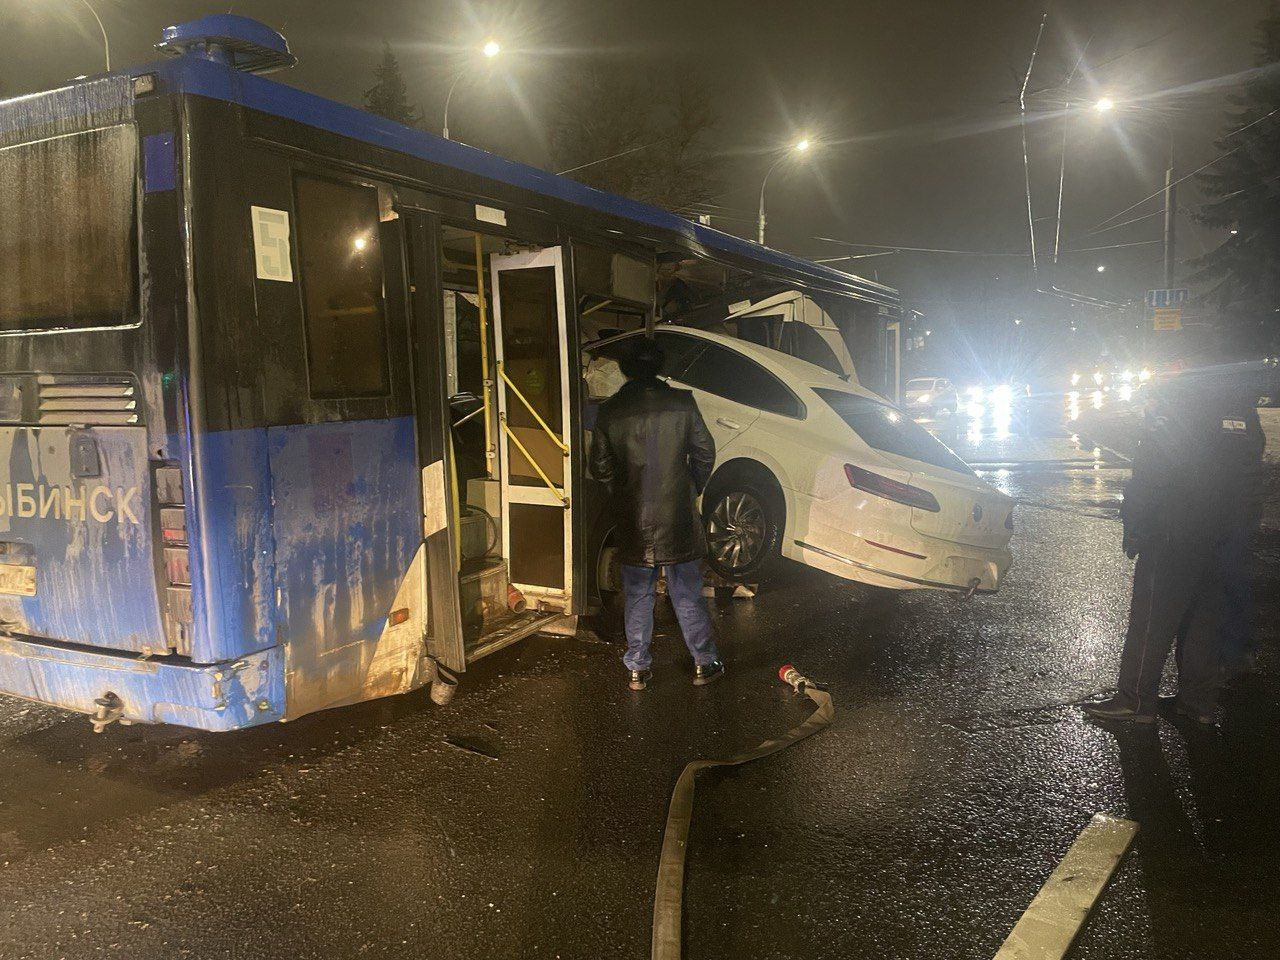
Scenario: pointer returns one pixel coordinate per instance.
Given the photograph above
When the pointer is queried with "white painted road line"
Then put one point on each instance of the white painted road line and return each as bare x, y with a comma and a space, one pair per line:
1046, 930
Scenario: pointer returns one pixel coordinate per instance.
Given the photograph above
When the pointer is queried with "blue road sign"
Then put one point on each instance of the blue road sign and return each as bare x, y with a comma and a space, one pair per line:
1160, 299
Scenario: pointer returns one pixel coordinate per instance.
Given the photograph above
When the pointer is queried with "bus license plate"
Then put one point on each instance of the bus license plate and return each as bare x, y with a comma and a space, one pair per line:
18, 579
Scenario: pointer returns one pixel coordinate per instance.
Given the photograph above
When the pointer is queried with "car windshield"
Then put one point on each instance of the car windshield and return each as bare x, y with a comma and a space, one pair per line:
920, 384
891, 431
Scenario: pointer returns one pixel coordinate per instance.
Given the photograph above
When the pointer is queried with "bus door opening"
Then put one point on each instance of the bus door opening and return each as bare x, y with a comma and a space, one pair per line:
531, 358
506, 364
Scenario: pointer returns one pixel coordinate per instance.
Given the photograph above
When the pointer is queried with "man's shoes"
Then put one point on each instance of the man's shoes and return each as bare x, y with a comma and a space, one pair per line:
1176, 710
707, 673
639, 679
1116, 709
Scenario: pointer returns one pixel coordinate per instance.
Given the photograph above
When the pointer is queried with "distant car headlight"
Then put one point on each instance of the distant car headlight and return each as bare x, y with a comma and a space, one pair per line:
1127, 376
1075, 379
924, 398
1144, 374
1002, 393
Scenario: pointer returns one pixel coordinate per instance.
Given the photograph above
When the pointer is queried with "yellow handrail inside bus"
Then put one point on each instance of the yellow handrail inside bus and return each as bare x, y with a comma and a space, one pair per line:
511, 435
489, 449
555, 438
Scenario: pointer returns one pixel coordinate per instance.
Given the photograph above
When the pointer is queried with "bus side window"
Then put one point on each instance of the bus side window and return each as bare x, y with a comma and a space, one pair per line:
340, 260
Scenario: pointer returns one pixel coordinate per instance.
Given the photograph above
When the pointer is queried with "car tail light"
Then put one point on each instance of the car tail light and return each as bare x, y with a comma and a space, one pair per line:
894, 490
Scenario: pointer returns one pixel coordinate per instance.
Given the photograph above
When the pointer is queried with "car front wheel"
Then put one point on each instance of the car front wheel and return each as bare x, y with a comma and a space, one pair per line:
743, 530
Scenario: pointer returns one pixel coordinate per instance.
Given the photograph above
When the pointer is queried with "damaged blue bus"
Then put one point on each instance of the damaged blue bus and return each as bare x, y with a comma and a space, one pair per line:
291, 402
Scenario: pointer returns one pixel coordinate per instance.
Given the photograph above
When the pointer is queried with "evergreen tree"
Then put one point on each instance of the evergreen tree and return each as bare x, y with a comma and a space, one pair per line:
1244, 188
389, 97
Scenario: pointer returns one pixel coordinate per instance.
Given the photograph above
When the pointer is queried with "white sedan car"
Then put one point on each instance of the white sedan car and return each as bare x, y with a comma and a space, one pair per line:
930, 395
820, 470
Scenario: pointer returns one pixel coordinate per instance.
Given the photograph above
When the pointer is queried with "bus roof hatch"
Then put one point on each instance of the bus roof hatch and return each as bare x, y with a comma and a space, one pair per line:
236, 41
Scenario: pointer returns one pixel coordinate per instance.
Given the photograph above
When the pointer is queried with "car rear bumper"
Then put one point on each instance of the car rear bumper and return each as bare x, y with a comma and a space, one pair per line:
960, 574
220, 696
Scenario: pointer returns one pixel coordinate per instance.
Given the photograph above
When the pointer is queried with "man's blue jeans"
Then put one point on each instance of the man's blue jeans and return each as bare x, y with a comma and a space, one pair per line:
684, 586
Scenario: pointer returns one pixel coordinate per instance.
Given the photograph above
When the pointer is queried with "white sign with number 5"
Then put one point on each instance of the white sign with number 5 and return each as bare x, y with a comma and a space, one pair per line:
271, 244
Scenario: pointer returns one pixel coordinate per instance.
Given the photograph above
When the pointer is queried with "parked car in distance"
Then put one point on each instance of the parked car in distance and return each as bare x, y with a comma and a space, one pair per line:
930, 396
815, 468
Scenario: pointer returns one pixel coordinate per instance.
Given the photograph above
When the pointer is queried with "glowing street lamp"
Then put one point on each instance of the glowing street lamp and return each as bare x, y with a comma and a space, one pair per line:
1105, 105
490, 50
799, 148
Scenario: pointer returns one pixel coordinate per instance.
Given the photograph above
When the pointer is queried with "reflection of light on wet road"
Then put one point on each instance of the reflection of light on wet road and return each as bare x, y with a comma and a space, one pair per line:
1073, 405
1096, 399
993, 419
1126, 393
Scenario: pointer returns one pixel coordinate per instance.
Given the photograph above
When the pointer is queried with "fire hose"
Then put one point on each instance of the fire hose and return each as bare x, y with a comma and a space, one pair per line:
669, 896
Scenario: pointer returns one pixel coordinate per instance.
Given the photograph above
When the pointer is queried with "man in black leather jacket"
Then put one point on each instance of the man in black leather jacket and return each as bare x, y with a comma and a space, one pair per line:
652, 448
1192, 490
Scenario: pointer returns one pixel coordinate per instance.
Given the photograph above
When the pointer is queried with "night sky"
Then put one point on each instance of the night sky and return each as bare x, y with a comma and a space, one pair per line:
915, 98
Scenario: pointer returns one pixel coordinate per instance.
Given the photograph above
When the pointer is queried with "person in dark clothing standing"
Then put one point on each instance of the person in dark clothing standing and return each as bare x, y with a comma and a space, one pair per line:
652, 448
1192, 489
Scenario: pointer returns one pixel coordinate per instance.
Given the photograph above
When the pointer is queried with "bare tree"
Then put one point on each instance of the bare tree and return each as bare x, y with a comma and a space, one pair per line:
651, 140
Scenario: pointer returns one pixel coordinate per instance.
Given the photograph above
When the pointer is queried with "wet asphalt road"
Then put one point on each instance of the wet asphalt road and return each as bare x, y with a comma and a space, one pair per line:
525, 819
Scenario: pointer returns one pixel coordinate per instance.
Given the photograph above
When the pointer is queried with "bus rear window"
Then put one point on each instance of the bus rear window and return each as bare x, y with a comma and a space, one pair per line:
67, 237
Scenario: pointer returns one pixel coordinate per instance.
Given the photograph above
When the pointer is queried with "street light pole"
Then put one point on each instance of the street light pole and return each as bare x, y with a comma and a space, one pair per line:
1170, 219
800, 146
106, 42
1105, 105
490, 50
763, 184
449, 96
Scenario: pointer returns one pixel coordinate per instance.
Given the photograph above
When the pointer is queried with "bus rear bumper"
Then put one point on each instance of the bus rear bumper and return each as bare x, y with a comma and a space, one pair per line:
220, 696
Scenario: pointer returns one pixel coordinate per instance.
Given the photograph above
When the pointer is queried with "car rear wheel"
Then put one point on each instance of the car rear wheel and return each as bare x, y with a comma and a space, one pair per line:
743, 530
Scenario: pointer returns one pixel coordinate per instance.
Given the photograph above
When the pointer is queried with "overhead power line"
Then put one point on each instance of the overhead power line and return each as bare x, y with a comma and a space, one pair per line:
1197, 170
583, 166
901, 248
1026, 156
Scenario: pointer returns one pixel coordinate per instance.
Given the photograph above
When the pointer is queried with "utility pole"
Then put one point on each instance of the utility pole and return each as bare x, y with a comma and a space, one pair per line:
1170, 218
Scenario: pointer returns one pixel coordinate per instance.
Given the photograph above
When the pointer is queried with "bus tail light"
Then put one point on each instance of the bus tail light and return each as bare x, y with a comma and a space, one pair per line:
177, 556
173, 525
894, 490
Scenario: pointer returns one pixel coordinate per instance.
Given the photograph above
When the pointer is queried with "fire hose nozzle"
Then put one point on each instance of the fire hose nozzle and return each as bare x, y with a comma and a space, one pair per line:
790, 675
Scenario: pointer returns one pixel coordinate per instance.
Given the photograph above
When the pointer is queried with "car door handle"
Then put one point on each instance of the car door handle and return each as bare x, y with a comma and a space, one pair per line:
731, 424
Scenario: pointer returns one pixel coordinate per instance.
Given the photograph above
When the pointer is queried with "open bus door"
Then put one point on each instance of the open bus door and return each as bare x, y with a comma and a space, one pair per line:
435, 455
533, 389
